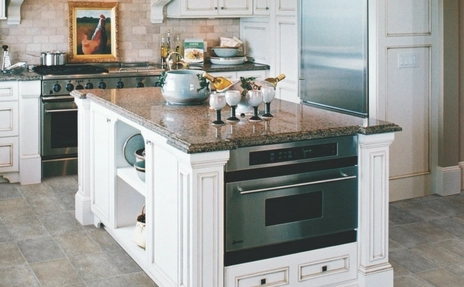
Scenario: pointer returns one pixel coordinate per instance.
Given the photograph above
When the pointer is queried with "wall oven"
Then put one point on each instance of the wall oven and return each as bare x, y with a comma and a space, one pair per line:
59, 136
289, 198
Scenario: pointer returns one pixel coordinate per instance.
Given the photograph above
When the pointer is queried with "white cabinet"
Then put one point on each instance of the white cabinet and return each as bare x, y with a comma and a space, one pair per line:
261, 7
9, 128
2, 10
258, 74
209, 8
332, 266
102, 168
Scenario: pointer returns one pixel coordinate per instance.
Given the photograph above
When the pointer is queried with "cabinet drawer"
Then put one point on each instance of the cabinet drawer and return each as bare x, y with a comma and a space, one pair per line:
8, 91
9, 156
8, 119
324, 267
277, 277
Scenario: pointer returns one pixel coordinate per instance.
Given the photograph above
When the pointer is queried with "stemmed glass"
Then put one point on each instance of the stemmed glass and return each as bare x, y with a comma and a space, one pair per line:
233, 98
268, 96
217, 101
255, 97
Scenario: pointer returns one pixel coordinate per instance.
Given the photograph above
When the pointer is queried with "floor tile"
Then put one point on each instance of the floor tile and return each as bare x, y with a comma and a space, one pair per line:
123, 262
35, 189
10, 255
77, 243
441, 278
18, 276
411, 235
412, 261
139, 279
9, 191
119, 281
4, 234
437, 254
410, 281
42, 204
55, 273
91, 267
14, 208
61, 223
25, 227
40, 249
104, 240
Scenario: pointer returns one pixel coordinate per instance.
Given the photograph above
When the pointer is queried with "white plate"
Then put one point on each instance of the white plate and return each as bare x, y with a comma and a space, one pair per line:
228, 61
132, 144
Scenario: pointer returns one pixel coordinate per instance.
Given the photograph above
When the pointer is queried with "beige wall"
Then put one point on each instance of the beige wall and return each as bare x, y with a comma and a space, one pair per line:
44, 27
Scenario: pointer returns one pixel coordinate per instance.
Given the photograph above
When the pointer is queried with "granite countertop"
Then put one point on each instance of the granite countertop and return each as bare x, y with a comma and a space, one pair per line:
19, 75
190, 129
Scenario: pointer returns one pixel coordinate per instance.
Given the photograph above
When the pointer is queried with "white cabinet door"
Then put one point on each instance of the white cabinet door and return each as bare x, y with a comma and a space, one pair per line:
286, 7
2, 10
8, 119
9, 156
286, 57
235, 7
102, 167
261, 7
209, 8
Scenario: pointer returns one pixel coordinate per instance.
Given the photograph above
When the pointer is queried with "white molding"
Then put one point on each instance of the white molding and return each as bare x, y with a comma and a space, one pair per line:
14, 12
448, 180
157, 10
373, 201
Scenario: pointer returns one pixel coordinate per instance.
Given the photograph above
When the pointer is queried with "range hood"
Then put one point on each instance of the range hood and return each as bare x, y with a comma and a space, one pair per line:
13, 11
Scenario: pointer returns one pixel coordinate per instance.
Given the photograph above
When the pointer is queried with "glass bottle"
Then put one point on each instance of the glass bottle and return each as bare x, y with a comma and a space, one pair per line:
163, 51
178, 48
220, 83
274, 81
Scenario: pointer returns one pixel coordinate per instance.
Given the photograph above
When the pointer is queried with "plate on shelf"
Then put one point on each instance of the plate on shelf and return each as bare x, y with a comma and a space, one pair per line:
228, 61
132, 144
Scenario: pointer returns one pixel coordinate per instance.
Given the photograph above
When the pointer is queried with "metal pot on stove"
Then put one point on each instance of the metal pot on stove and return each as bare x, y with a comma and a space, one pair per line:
53, 58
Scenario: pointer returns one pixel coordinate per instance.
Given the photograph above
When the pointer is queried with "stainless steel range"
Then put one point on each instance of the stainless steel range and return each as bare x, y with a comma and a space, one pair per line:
59, 112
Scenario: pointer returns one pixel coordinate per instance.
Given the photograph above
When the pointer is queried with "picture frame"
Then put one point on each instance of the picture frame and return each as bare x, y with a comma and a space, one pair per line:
93, 32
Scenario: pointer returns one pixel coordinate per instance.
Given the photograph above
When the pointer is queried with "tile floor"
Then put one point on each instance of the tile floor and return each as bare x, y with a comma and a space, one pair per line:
41, 243
427, 241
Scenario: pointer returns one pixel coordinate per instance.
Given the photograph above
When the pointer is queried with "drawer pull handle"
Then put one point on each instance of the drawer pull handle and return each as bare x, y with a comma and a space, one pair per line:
324, 268
263, 281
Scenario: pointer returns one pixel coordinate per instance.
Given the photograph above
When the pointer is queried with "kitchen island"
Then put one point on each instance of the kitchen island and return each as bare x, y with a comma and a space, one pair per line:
183, 191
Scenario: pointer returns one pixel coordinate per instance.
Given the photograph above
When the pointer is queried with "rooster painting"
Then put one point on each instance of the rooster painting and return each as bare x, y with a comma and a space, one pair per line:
97, 44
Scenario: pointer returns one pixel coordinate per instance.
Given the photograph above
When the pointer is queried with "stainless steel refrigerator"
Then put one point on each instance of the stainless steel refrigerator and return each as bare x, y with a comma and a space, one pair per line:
334, 55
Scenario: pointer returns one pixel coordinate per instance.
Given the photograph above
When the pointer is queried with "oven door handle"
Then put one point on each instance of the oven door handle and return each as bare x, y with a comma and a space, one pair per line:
345, 177
57, 98
61, 110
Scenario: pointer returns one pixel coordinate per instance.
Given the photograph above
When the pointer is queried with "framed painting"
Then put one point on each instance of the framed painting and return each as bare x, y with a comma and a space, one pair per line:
93, 32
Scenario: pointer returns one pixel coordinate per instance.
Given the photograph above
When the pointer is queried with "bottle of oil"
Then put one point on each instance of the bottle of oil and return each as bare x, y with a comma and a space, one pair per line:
164, 51
220, 83
178, 48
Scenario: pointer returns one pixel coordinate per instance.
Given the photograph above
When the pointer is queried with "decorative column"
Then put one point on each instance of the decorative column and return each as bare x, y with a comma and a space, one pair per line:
373, 266
82, 211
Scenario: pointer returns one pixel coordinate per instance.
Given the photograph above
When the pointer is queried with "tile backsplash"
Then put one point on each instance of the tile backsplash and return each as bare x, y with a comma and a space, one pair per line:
44, 27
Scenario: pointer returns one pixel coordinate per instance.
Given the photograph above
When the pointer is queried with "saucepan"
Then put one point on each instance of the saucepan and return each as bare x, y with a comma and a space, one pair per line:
53, 58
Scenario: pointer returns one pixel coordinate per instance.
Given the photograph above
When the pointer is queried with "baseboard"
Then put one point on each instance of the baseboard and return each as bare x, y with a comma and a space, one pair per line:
448, 180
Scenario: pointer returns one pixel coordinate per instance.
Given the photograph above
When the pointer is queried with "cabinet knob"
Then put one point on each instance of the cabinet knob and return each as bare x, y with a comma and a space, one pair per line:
148, 142
215, 8
222, 8
267, 8
108, 120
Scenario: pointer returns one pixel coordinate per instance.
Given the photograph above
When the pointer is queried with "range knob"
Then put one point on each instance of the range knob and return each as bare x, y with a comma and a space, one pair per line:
119, 84
140, 85
102, 85
89, 85
69, 87
79, 87
56, 88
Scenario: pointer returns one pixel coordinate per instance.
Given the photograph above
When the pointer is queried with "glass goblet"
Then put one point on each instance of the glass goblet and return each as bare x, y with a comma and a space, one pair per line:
255, 98
233, 98
268, 96
217, 101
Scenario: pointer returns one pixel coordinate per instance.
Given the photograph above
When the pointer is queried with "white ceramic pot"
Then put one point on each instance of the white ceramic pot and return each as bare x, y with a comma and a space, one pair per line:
184, 87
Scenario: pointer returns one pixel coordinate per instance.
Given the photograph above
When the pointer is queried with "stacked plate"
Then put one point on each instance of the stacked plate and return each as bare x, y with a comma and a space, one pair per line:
227, 56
